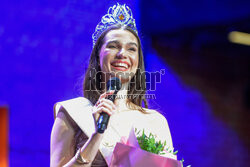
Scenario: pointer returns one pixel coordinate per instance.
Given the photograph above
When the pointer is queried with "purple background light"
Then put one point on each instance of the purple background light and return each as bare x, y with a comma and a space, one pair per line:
44, 51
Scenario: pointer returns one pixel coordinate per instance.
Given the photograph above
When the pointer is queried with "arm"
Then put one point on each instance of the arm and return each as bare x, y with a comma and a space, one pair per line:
62, 143
163, 133
63, 133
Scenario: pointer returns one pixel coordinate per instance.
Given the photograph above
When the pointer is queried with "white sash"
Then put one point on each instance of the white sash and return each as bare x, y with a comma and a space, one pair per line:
80, 110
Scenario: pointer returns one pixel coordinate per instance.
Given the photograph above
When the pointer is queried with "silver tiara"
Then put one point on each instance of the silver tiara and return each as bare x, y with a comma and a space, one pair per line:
118, 14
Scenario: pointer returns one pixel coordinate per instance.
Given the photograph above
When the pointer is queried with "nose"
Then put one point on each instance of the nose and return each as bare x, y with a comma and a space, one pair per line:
121, 54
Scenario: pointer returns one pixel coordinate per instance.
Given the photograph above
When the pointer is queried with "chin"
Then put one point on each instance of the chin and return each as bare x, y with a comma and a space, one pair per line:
124, 76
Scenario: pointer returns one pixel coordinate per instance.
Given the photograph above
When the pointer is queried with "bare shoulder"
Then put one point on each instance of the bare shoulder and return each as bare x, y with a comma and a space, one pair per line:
63, 125
66, 118
155, 116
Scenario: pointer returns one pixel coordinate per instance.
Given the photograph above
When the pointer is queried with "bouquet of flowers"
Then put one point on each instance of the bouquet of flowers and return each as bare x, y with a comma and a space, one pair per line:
143, 151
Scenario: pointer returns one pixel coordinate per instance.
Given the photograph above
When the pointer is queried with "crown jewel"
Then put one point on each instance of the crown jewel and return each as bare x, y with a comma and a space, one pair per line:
118, 14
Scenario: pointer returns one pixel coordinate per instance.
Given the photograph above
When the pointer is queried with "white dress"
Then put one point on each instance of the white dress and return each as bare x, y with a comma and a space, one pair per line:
120, 124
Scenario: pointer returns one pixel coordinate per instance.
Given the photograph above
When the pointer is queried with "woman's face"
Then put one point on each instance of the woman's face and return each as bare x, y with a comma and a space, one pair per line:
119, 55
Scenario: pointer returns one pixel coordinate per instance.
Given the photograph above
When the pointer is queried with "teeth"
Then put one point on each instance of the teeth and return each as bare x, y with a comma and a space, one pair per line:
120, 65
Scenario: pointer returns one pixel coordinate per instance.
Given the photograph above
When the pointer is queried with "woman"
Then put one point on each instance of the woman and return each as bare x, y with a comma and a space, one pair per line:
116, 53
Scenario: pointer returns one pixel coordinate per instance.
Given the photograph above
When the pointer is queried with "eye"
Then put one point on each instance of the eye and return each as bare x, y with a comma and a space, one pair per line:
111, 46
132, 49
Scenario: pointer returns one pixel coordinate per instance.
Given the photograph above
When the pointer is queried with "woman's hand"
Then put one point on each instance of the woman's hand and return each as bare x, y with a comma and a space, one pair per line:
104, 105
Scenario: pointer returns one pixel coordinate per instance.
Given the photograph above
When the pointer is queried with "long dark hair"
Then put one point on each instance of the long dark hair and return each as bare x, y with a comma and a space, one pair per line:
137, 85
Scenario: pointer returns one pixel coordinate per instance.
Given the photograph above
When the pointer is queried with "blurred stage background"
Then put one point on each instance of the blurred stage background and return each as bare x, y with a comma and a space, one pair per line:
204, 93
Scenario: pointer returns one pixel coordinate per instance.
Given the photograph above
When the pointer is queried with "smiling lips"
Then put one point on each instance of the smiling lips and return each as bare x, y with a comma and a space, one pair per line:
120, 65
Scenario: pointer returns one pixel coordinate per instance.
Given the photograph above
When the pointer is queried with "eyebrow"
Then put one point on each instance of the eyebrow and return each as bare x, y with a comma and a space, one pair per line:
117, 42
114, 41
133, 43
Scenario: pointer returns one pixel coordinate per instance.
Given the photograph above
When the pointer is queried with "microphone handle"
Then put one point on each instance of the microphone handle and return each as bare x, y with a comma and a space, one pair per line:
103, 120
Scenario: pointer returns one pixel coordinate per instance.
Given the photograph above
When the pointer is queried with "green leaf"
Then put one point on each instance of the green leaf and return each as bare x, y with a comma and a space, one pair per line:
175, 152
149, 143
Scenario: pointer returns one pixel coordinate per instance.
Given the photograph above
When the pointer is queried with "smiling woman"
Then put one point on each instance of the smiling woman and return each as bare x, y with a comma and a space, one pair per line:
117, 52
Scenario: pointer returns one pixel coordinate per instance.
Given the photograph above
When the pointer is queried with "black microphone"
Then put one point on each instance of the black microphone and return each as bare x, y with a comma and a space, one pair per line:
113, 84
